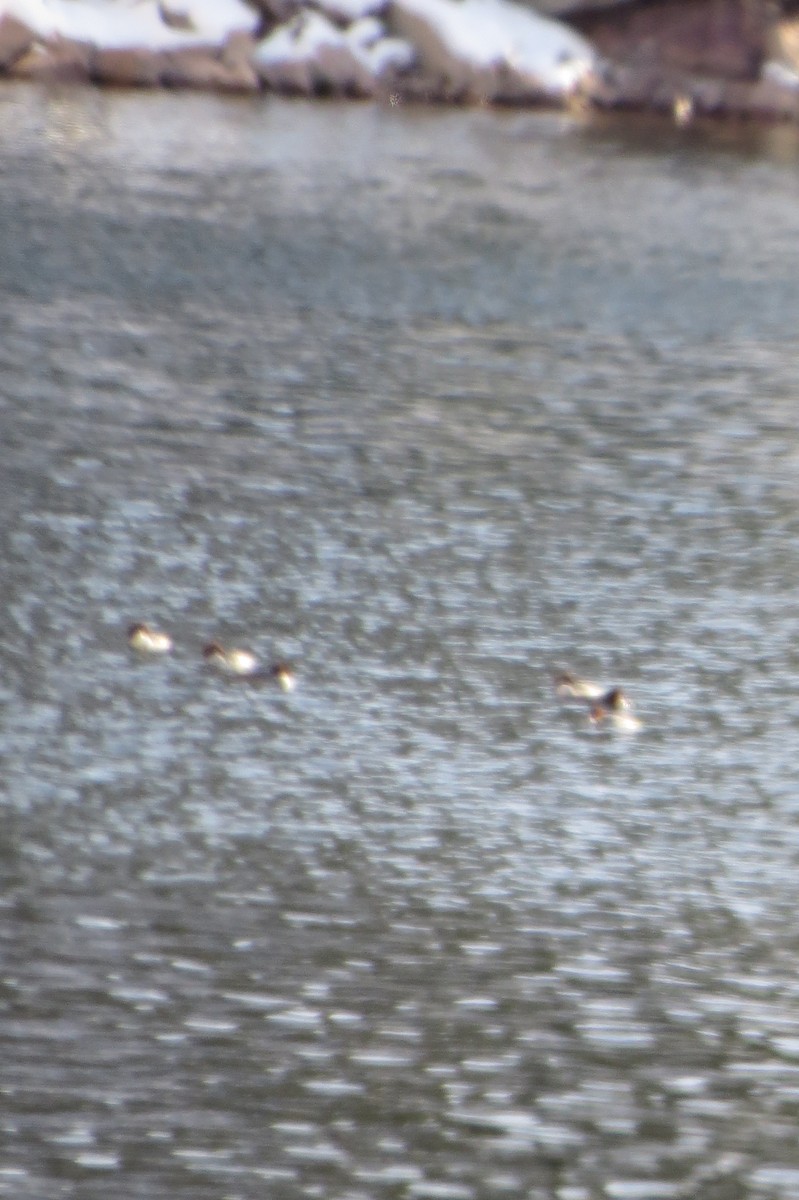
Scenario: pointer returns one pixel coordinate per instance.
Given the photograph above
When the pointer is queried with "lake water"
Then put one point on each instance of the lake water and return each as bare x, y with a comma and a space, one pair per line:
433, 403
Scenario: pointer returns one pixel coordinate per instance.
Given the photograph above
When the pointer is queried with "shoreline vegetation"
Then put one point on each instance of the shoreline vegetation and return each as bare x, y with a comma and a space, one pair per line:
683, 58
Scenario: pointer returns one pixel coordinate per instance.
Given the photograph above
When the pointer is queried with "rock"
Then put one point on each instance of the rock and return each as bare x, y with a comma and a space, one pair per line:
127, 68
686, 97
310, 55
724, 38
16, 39
211, 21
59, 60
761, 101
237, 55
389, 58
493, 49
208, 68
174, 18
383, 56
272, 13
228, 69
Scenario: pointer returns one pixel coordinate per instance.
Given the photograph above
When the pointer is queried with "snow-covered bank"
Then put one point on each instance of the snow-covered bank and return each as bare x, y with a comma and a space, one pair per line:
436, 50
491, 50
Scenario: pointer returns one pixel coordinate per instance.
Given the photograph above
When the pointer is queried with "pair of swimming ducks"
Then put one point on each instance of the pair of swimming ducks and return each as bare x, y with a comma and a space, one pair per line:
608, 706
146, 640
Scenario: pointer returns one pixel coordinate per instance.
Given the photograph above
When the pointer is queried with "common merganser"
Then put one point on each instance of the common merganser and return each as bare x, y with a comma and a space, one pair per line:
614, 707
235, 662
283, 673
146, 640
567, 684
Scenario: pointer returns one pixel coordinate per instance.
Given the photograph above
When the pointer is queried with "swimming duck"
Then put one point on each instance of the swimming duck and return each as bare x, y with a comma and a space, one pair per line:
614, 707
146, 640
234, 662
283, 674
567, 684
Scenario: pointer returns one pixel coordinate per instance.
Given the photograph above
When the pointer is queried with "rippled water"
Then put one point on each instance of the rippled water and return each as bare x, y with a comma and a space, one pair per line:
433, 403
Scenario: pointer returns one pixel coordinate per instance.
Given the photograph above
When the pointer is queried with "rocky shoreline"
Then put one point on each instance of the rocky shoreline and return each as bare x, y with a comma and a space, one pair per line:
435, 51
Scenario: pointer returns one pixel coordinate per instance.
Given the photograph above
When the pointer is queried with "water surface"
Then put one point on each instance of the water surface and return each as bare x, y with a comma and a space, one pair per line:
433, 403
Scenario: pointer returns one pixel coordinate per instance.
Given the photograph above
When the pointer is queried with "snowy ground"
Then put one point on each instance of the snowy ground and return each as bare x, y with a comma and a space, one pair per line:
492, 49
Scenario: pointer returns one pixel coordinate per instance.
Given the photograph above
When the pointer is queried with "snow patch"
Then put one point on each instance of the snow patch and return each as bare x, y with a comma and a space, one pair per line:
144, 24
495, 46
310, 53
